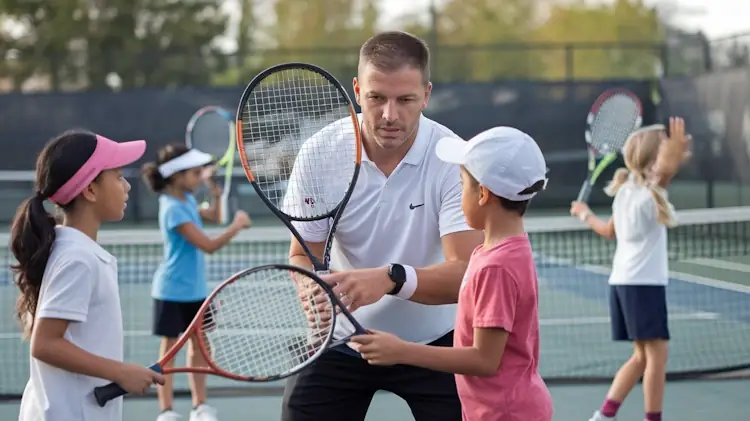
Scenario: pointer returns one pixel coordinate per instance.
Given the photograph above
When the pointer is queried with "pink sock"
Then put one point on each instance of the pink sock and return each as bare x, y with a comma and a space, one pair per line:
610, 407
653, 416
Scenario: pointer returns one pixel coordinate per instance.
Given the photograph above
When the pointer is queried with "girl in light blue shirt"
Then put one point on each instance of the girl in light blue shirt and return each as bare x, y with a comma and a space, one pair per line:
179, 284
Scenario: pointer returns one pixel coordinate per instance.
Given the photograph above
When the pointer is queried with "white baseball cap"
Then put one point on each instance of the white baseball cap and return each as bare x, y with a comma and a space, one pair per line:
505, 160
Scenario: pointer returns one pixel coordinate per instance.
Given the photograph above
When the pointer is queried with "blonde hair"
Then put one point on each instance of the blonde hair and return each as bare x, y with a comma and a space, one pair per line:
640, 153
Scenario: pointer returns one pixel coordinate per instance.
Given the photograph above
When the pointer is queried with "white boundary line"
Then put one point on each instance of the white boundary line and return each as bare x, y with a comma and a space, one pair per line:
720, 264
680, 276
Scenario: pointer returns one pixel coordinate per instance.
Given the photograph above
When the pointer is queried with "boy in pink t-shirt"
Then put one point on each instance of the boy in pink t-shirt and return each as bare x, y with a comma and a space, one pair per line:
496, 340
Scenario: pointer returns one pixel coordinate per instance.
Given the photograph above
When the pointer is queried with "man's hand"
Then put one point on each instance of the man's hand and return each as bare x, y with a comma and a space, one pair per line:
316, 306
380, 348
361, 287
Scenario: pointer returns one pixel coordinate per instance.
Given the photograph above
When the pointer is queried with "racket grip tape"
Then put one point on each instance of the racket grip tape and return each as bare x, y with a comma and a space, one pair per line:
583, 195
104, 394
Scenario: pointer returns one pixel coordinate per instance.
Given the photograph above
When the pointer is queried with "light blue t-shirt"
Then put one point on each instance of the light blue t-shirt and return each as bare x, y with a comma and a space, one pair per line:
182, 274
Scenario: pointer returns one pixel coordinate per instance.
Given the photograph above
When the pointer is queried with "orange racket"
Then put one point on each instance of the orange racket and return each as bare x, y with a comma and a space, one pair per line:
262, 324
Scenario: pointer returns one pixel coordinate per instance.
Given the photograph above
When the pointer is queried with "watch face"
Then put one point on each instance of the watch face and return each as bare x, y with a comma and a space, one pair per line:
397, 273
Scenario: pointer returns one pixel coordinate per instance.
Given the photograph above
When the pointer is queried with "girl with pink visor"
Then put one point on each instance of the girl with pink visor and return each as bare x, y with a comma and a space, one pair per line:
69, 304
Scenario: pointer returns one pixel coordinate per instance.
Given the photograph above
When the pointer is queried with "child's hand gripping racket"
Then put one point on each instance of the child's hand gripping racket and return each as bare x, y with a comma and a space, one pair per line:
257, 326
613, 117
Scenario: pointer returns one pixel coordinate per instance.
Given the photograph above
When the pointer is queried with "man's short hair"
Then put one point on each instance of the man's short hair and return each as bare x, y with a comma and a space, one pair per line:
392, 50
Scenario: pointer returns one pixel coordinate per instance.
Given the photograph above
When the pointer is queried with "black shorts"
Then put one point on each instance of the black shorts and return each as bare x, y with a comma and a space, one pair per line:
638, 312
339, 387
172, 318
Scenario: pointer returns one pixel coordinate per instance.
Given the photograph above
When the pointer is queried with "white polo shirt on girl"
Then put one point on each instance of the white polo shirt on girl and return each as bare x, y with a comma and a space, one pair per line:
79, 285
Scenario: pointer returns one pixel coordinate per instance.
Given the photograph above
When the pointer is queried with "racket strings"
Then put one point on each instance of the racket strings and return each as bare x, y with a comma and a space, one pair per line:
615, 120
211, 133
264, 324
300, 142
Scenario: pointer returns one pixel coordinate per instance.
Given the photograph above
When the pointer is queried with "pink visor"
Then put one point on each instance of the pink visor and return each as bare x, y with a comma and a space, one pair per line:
107, 155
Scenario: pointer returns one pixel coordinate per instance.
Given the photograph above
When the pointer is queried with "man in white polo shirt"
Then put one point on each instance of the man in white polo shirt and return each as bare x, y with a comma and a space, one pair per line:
401, 247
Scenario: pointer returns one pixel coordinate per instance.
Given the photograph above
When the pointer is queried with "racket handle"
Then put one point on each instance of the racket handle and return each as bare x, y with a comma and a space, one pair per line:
104, 394
583, 195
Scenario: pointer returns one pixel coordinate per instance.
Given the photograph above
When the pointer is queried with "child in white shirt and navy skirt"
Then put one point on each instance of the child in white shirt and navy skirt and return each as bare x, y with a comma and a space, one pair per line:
641, 215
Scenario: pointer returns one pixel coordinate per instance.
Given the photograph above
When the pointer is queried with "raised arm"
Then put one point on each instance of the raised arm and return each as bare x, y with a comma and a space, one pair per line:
673, 153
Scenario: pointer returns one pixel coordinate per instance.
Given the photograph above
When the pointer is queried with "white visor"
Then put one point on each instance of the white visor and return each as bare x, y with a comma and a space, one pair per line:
191, 159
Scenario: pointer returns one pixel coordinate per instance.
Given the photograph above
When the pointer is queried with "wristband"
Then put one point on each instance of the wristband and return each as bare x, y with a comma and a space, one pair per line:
410, 286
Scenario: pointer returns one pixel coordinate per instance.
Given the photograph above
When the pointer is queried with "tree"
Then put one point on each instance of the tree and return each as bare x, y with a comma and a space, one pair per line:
323, 32
603, 26
38, 39
79, 43
479, 40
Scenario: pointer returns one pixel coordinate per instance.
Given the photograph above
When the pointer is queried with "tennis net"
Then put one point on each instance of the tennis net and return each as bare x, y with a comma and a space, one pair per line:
708, 304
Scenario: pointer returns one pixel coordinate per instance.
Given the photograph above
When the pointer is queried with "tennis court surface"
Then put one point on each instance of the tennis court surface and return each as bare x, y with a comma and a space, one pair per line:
708, 297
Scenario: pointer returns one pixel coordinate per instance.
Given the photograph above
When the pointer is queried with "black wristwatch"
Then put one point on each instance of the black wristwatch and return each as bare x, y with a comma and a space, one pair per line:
397, 273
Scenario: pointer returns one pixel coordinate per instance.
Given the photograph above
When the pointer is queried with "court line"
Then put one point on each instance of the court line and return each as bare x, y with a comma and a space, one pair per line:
605, 320
679, 276
564, 321
721, 264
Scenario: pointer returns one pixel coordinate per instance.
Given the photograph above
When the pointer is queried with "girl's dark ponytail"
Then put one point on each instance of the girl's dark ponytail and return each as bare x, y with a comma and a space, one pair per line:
31, 238
32, 233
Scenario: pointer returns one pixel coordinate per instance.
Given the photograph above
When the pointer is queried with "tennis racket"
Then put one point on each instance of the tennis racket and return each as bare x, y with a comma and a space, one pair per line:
257, 326
211, 130
299, 143
613, 117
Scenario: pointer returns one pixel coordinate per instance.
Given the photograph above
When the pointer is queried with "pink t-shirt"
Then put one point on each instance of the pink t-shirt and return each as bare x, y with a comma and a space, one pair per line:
500, 290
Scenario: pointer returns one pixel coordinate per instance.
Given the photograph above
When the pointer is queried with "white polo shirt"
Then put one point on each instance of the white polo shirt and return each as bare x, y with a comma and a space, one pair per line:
641, 256
80, 285
398, 219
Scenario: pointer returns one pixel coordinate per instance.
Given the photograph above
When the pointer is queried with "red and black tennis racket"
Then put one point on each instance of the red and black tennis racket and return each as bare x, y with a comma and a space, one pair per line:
613, 117
257, 326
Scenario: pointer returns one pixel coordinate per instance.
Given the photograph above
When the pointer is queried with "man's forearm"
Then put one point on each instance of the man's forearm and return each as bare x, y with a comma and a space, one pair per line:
439, 284
301, 260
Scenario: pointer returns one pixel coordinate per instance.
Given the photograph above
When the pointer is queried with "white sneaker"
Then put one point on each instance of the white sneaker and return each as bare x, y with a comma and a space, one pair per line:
203, 413
599, 417
168, 416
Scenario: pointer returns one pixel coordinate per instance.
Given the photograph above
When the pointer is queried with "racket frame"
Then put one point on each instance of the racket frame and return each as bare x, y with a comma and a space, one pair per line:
104, 394
594, 169
226, 161
319, 266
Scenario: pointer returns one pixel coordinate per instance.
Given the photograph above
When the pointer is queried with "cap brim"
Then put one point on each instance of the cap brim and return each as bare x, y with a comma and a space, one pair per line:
126, 153
452, 150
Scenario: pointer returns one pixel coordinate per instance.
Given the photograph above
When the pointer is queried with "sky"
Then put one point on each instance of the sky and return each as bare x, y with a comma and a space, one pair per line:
717, 18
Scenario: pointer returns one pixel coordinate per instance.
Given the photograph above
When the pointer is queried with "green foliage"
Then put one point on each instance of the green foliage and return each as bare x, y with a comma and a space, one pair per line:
78, 43
322, 32
620, 22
